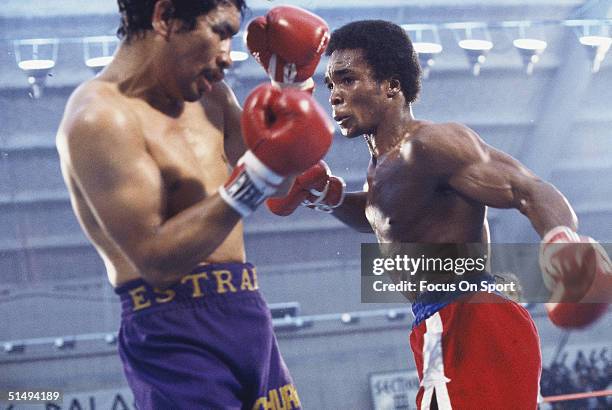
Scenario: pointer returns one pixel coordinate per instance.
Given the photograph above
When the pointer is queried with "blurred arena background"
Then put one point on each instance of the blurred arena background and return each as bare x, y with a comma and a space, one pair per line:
58, 315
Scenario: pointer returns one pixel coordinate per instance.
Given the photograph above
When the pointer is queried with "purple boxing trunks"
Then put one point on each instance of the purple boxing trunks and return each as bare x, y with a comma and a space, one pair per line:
205, 343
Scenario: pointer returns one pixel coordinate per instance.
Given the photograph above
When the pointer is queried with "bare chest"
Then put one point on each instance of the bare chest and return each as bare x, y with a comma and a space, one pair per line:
189, 152
404, 202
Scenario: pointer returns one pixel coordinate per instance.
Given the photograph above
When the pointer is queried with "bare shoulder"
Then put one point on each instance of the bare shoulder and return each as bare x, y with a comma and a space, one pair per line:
96, 110
98, 104
450, 140
449, 134
444, 147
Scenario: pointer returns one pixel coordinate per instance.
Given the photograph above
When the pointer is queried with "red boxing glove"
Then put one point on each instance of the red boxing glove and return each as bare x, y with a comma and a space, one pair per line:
286, 129
286, 132
578, 272
315, 188
288, 42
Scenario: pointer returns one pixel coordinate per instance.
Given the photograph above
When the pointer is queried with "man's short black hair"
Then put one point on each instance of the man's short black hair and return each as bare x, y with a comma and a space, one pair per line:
387, 49
136, 15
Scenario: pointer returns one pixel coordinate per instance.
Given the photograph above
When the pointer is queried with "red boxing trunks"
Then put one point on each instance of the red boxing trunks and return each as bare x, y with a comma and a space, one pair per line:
476, 351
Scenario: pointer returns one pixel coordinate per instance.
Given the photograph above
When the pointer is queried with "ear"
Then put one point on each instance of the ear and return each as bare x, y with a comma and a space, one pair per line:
162, 18
393, 87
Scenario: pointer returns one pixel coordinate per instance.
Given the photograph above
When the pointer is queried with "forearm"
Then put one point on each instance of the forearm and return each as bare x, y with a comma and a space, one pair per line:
546, 208
234, 145
352, 212
234, 148
185, 240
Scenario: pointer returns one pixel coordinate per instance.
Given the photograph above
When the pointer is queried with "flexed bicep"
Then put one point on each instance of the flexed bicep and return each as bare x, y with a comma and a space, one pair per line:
498, 180
458, 157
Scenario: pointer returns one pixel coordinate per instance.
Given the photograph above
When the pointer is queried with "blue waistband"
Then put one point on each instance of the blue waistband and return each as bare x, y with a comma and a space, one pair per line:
428, 303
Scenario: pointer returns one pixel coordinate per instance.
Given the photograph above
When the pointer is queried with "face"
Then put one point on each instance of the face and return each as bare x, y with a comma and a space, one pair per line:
357, 99
200, 56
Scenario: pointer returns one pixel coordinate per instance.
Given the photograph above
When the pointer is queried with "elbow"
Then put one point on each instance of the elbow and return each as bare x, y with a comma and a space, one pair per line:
566, 214
154, 279
152, 275
153, 259
540, 201
153, 270
530, 194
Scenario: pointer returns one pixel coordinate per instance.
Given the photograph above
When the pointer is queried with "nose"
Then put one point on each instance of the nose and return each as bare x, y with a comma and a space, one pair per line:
335, 97
224, 59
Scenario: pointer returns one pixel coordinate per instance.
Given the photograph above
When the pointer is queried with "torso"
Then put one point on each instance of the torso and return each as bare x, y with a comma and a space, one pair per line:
406, 203
189, 151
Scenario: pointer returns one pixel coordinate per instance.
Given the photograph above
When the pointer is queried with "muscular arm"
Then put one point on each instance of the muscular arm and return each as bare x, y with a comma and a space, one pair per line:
352, 212
491, 177
105, 153
233, 141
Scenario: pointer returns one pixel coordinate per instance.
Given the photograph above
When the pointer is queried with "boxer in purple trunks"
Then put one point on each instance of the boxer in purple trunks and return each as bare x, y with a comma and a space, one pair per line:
146, 149
209, 336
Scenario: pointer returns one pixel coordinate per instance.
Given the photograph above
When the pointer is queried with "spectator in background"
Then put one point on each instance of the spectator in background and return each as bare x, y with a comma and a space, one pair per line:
592, 374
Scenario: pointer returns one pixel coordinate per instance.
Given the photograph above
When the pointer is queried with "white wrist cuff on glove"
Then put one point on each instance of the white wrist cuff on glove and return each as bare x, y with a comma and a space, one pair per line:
250, 184
305, 85
289, 74
561, 234
551, 243
319, 204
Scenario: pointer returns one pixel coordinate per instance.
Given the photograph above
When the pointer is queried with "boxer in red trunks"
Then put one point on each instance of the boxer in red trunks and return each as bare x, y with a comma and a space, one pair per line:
431, 183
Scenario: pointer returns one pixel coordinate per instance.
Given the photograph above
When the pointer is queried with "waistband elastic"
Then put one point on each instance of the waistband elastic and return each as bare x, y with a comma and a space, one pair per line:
428, 303
204, 282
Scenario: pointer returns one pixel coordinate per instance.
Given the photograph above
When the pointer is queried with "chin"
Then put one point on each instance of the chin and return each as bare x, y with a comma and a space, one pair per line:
193, 95
194, 98
348, 133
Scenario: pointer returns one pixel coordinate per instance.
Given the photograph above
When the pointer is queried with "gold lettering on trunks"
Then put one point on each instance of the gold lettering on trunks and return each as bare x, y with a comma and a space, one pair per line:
255, 284
246, 281
138, 299
224, 281
170, 294
288, 399
195, 281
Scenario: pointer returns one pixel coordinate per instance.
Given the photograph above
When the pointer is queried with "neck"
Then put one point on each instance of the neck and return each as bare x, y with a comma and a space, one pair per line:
139, 70
391, 131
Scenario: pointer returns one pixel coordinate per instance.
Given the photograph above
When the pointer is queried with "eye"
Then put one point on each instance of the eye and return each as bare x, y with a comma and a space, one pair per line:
223, 32
329, 86
223, 35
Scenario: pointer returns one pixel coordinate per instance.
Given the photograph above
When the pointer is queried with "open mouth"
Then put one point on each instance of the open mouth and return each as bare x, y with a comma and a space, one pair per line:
341, 119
